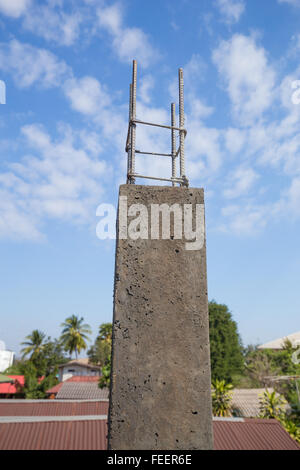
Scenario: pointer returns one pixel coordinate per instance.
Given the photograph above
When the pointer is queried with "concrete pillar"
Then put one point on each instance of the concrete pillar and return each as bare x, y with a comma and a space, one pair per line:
160, 394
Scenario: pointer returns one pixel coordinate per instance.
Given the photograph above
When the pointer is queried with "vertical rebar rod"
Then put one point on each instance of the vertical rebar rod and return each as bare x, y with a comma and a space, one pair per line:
173, 151
130, 136
133, 117
181, 122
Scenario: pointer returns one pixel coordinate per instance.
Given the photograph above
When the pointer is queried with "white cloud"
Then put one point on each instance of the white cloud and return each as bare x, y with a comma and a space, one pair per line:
14, 8
234, 140
289, 204
248, 77
59, 179
294, 3
231, 9
244, 220
240, 182
86, 95
128, 43
29, 65
53, 24
145, 88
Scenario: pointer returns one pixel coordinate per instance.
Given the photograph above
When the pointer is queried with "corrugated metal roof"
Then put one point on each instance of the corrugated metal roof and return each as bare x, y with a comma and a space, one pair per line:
81, 391
89, 433
52, 408
75, 378
56, 435
252, 434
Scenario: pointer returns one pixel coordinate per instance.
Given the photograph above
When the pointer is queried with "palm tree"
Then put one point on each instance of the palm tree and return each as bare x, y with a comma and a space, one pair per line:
34, 344
75, 334
221, 398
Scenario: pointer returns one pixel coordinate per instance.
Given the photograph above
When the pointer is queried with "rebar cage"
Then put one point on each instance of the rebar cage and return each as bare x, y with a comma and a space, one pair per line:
131, 136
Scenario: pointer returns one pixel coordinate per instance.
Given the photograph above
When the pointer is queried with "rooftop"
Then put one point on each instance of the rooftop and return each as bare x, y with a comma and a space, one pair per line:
279, 343
81, 391
84, 362
89, 433
30, 408
246, 402
75, 378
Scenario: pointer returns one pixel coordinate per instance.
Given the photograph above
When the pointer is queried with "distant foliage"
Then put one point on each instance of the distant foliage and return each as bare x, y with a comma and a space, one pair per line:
100, 352
221, 398
272, 405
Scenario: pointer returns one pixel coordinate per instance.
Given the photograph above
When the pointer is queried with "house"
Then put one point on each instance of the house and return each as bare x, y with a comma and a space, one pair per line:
278, 344
78, 388
78, 367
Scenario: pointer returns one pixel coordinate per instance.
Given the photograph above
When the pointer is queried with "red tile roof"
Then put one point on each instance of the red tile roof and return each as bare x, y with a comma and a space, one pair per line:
12, 389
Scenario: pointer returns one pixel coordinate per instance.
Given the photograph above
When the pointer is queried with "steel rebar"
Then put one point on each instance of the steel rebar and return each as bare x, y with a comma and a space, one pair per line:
173, 141
133, 117
181, 122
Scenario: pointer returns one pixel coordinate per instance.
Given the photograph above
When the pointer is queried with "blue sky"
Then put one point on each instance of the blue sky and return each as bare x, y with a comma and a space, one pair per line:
67, 68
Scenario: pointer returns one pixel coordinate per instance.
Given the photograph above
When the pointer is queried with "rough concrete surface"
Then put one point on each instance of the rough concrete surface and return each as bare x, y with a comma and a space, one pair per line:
160, 394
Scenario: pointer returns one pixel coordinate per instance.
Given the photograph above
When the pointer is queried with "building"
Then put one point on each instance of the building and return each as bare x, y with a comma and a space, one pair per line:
13, 389
278, 344
78, 367
6, 357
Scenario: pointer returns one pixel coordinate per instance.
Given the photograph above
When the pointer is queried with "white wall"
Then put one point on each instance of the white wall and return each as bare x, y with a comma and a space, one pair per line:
6, 360
68, 371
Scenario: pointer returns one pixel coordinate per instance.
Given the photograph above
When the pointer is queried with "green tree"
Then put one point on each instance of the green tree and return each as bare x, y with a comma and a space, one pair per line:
100, 352
75, 334
292, 428
225, 344
221, 398
105, 378
36, 386
34, 344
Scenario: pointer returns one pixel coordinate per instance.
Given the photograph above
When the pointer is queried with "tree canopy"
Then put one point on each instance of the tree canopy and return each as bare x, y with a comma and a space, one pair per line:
226, 350
75, 334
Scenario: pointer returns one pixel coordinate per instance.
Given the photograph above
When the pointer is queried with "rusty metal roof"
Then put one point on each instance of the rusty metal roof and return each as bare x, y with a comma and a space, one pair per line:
80, 434
251, 434
52, 408
89, 433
